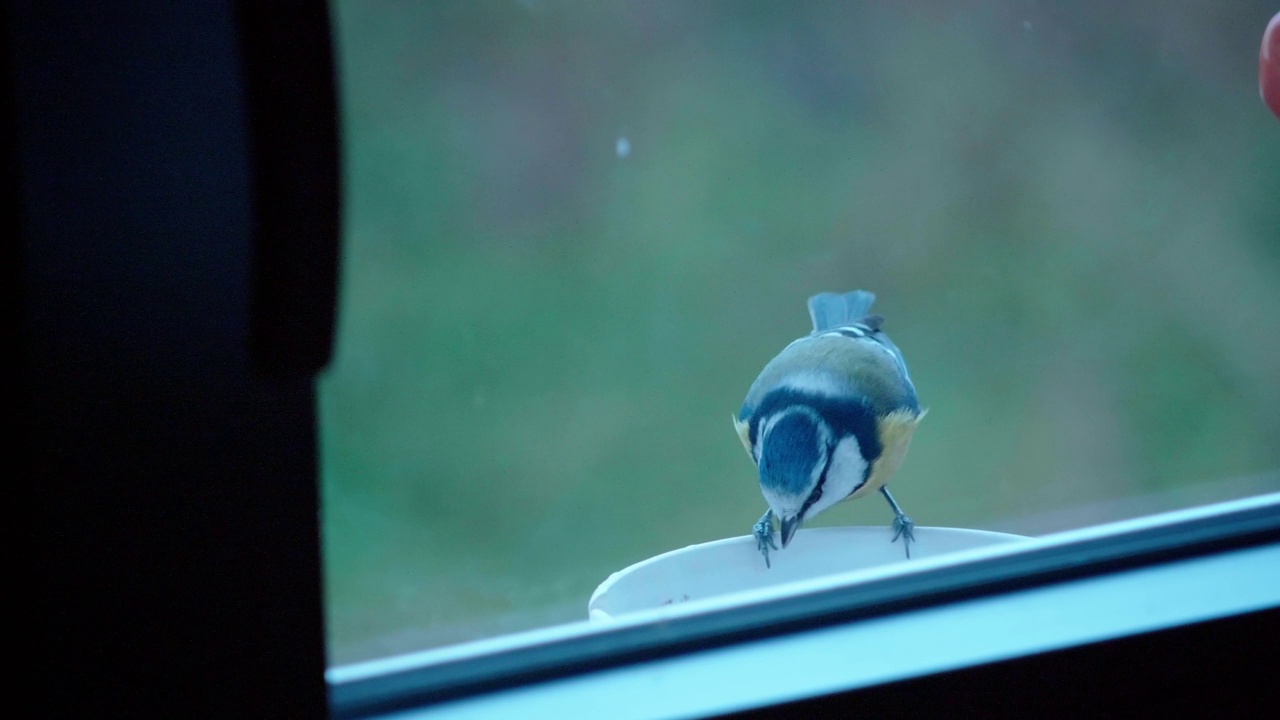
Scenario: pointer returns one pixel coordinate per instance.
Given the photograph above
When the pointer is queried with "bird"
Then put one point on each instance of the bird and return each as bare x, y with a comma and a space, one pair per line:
829, 418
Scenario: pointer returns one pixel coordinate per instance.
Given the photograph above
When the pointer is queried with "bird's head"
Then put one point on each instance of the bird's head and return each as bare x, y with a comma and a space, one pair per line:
794, 452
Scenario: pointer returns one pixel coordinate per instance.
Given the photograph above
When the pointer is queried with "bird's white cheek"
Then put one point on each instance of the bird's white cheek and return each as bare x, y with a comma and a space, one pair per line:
846, 473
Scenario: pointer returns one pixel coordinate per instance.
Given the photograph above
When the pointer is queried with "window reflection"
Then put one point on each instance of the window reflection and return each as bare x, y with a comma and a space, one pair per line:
576, 233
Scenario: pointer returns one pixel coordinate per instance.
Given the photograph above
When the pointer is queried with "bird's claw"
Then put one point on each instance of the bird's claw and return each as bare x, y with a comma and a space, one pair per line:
904, 528
763, 530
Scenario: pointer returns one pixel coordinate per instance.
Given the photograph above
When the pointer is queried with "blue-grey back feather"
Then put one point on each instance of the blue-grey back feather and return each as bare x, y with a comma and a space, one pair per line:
829, 310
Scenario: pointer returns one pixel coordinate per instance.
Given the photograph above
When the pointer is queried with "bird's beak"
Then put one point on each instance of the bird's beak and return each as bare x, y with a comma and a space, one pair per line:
789, 527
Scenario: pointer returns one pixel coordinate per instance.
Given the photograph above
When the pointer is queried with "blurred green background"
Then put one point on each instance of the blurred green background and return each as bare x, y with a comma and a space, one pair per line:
575, 232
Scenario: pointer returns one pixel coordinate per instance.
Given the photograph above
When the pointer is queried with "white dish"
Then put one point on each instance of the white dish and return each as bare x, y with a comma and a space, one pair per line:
708, 570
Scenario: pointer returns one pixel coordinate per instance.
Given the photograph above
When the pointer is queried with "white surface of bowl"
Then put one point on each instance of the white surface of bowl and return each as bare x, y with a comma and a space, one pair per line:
721, 567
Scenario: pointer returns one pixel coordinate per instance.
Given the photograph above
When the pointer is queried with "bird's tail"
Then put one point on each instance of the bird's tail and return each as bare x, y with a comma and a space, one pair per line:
829, 310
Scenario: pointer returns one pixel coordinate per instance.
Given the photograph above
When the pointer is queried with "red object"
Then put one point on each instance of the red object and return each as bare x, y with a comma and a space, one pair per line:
1269, 66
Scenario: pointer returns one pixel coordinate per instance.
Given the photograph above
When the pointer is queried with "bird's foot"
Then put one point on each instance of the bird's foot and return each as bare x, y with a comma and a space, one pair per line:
904, 528
763, 530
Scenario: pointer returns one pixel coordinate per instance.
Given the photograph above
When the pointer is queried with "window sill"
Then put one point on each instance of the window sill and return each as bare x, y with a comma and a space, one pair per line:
793, 641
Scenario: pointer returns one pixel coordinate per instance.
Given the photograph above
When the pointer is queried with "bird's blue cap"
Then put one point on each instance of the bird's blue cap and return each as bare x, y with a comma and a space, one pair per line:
793, 452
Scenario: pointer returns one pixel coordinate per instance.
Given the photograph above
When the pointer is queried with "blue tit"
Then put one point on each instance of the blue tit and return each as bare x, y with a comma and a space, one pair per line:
829, 419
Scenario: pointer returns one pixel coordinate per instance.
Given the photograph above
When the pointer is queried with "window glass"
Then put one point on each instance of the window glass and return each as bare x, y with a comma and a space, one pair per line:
575, 233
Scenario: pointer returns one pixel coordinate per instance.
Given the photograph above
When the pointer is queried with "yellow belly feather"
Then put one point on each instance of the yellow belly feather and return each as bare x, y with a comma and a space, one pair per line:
744, 434
895, 430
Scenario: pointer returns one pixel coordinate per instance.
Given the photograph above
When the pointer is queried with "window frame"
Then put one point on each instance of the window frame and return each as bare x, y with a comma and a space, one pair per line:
1214, 539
